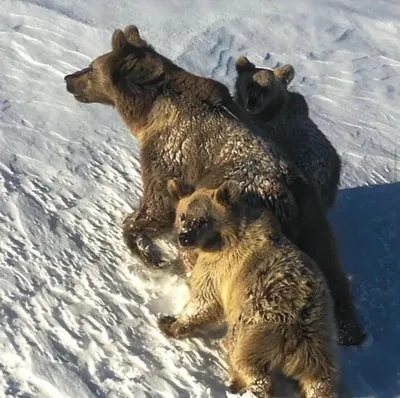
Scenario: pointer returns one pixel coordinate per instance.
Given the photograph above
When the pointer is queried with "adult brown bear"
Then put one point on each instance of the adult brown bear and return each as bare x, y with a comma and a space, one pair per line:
187, 127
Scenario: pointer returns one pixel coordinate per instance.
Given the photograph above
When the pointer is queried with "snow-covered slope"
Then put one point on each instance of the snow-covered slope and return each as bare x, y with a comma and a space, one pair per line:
77, 313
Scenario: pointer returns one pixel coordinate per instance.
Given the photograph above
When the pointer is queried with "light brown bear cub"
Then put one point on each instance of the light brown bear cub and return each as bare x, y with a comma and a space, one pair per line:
272, 296
283, 116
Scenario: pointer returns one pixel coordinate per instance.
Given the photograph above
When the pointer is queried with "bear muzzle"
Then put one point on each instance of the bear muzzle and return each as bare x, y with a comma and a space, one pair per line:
187, 238
71, 79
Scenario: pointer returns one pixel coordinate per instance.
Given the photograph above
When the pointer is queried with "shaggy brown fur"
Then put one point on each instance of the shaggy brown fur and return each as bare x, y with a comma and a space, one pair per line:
272, 296
187, 129
283, 116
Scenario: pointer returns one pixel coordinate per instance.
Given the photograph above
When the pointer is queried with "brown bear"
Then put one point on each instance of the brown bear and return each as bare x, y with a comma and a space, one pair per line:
272, 296
188, 126
283, 116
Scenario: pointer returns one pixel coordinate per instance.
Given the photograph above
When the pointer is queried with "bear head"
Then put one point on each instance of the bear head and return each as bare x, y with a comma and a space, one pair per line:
131, 67
203, 215
145, 87
259, 90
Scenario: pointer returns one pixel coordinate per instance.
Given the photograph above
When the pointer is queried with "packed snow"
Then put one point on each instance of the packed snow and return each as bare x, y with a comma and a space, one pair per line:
77, 312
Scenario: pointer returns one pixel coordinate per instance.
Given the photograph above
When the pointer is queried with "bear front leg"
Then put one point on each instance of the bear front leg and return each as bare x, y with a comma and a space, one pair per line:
138, 228
155, 216
196, 314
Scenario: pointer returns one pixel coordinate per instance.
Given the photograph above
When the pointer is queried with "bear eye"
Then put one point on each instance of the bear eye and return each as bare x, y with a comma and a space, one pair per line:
202, 221
182, 217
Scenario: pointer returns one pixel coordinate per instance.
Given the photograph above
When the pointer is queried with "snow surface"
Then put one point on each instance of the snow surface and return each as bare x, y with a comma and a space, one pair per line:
77, 312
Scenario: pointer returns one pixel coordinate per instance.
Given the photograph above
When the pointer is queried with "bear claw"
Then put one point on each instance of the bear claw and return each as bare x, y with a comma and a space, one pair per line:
142, 246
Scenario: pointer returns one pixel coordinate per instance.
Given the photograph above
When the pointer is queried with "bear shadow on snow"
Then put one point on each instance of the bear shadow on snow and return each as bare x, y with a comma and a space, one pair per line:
367, 224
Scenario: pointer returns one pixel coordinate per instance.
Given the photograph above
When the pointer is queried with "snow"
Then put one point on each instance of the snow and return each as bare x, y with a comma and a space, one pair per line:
77, 312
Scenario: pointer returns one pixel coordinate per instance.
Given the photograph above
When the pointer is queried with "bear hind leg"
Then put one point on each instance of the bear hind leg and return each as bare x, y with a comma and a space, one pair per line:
318, 241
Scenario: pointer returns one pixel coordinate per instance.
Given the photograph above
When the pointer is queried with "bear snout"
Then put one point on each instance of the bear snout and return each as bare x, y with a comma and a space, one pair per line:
71, 78
187, 238
251, 102
69, 84
78, 73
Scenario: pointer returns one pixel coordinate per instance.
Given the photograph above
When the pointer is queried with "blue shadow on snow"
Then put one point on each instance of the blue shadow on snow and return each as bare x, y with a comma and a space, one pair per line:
367, 225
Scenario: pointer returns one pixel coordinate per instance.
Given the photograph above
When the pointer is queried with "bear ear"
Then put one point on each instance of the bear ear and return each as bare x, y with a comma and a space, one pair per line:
118, 41
227, 193
244, 65
133, 37
178, 189
285, 73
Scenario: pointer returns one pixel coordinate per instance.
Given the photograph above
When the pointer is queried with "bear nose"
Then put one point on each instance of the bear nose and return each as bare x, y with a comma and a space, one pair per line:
69, 77
69, 84
251, 102
186, 238
78, 73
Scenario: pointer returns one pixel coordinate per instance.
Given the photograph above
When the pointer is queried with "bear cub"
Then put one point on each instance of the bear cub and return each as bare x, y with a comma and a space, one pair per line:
272, 296
283, 116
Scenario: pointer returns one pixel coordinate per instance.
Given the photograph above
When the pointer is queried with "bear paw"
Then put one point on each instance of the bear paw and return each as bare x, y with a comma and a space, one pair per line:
171, 327
236, 386
141, 245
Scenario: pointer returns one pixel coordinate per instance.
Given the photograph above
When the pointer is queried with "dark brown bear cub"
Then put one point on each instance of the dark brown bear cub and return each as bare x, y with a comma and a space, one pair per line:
283, 116
272, 296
